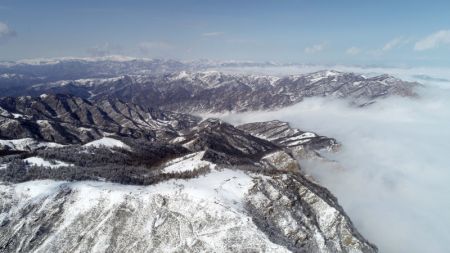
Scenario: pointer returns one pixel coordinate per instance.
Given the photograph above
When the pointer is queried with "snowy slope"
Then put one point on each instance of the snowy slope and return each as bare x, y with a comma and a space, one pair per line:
107, 142
218, 212
199, 215
186, 163
38, 161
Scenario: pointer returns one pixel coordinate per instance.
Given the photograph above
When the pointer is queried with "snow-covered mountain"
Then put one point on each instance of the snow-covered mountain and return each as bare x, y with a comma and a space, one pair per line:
67, 119
223, 211
103, 155
76, 68
113, 176
213, 91
71, 68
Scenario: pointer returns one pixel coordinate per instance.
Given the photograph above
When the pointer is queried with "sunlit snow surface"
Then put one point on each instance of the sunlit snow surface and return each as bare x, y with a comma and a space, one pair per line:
394, 169
38, 161
225, 186
186, 163
107, 142
175, 214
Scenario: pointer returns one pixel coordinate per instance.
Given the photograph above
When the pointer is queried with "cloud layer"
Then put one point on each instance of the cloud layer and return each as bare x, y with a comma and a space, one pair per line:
395, 43
433, 41
394, 165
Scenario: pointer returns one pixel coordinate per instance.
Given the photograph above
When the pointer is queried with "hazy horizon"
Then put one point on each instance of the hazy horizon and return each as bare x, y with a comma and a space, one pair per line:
400, 33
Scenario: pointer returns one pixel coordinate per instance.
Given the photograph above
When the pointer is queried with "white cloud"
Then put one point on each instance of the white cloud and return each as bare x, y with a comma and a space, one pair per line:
393, 175
6, 32
395, 43
315, 48
433, 41
353, 50
212, 34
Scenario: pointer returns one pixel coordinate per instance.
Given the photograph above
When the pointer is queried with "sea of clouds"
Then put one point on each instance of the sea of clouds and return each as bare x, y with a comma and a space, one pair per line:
394, 174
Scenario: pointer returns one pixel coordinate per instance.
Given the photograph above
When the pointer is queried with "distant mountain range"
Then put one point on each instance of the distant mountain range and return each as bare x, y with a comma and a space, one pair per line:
180, 87
110, 66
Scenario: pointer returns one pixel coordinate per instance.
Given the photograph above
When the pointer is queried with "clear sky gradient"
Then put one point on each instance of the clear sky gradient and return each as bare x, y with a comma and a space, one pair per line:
399, 33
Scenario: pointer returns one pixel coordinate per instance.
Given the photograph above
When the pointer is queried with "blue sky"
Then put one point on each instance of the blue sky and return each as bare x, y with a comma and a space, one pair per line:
400, 33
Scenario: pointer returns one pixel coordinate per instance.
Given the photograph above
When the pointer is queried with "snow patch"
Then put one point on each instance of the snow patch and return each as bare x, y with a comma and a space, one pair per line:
17, 115
295, 143
307, 135
107, 142
181, 75
315, 77
178, 139
38, 161
43, 122
186, 163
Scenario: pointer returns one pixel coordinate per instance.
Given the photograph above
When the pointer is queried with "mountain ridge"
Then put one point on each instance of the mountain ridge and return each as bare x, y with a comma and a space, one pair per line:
214, 91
